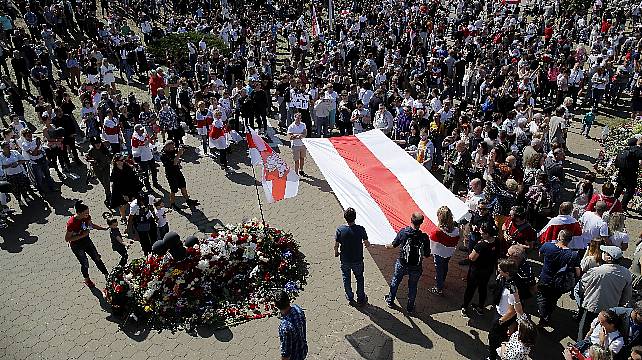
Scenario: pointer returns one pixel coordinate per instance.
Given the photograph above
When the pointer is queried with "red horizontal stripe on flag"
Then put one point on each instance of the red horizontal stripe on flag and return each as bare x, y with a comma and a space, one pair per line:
382, 185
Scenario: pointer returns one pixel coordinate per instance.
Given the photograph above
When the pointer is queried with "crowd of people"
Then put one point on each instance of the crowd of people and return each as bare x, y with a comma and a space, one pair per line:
481, 93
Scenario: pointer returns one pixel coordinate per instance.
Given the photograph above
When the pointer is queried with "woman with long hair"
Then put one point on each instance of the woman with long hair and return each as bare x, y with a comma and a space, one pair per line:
443, 241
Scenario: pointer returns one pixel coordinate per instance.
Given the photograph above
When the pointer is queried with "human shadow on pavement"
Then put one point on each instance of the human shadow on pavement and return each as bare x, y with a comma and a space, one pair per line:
241, 178
16, 235
202, 222
316, 182
468, 344
223, 334
101, 299
371, 343
409, 334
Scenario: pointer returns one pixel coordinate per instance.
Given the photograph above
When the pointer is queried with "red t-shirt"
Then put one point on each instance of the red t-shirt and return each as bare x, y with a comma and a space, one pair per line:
75, 225
609, 200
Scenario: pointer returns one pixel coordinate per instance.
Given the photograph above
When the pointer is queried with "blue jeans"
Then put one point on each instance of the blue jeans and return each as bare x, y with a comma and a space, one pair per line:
441, 270
414, 273
347, 269
40, 169
127, 137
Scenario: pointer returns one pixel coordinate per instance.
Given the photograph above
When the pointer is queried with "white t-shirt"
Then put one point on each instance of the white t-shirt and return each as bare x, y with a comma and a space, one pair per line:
614, 340
13, 157
297, 129
506, 300
134, 208
592, 227
161, 215
27, 146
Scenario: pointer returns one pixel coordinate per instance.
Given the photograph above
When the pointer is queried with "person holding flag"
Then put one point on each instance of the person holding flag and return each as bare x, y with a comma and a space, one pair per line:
278, 180
218, 138
203, 124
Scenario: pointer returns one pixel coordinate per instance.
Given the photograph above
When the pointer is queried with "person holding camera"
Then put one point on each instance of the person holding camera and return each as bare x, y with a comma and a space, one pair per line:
32, 150
11, 162
360, 118
142, 221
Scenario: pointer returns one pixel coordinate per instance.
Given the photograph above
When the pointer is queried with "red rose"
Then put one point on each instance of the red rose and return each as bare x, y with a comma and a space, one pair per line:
118, 289
267, 276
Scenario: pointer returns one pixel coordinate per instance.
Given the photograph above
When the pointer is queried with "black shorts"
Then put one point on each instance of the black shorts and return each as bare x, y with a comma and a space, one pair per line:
176, 182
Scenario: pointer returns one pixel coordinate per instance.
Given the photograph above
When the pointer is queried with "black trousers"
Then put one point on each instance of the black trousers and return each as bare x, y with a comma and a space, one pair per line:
476, 280
497, 334
627, 184
546, 297
83, 248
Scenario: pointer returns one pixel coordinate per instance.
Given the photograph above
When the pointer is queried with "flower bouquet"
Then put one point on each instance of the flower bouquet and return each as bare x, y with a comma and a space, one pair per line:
223, 280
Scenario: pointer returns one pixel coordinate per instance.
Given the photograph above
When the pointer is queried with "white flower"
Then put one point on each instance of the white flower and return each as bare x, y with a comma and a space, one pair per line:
204, 265
235, 238
254, 272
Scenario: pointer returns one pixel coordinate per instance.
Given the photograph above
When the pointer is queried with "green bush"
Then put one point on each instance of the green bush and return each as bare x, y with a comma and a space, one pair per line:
174, 46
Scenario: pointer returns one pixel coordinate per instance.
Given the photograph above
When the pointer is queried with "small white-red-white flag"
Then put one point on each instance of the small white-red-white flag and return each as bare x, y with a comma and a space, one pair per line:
278, 180
316, 30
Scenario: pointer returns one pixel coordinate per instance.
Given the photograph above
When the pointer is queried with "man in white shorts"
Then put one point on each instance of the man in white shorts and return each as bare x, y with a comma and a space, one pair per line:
296, 133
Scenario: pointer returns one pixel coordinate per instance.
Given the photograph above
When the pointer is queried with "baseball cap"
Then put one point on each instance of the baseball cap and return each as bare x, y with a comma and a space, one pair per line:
614, 252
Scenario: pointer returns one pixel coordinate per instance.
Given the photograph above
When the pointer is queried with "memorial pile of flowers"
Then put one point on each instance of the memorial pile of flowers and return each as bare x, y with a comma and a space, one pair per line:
223, 280
612, 144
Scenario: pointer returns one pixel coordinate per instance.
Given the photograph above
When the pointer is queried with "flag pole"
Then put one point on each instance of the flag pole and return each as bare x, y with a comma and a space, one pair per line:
256, 187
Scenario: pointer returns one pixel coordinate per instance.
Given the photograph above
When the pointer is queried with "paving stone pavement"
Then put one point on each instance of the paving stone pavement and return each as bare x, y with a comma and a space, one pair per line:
47, 313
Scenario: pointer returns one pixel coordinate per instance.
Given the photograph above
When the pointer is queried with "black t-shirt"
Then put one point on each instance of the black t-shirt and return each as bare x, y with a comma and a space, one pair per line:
167, 158
351, 238
487, 256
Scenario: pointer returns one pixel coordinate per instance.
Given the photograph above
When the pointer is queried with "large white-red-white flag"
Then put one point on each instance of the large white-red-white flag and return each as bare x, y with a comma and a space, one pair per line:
278, 180
316, 29
385, 185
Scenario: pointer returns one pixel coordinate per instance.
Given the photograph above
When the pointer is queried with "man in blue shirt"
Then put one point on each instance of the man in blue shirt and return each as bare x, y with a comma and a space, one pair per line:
351, 238
292, 332
402, 267
558, 259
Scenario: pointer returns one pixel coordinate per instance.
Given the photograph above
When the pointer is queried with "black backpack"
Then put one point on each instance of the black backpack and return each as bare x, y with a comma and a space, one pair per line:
413, 249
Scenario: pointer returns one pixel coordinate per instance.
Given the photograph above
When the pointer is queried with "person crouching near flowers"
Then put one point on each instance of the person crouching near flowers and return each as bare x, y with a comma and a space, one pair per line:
443, 241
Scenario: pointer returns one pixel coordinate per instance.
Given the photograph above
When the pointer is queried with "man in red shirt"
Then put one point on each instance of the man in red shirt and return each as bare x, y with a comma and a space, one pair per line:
77, 235
156, 81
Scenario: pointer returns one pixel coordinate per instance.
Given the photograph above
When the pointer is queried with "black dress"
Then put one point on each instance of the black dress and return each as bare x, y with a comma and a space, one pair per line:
125, 182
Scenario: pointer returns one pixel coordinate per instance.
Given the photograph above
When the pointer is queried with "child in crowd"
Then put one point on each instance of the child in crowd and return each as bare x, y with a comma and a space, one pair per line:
587, 122
161, 215
118, 244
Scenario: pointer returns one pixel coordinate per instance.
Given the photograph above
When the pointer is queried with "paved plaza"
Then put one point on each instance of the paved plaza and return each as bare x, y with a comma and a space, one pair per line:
47, 312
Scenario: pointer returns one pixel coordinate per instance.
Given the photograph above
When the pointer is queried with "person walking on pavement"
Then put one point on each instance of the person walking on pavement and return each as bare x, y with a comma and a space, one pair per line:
292, 328
414, 247
349, 241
